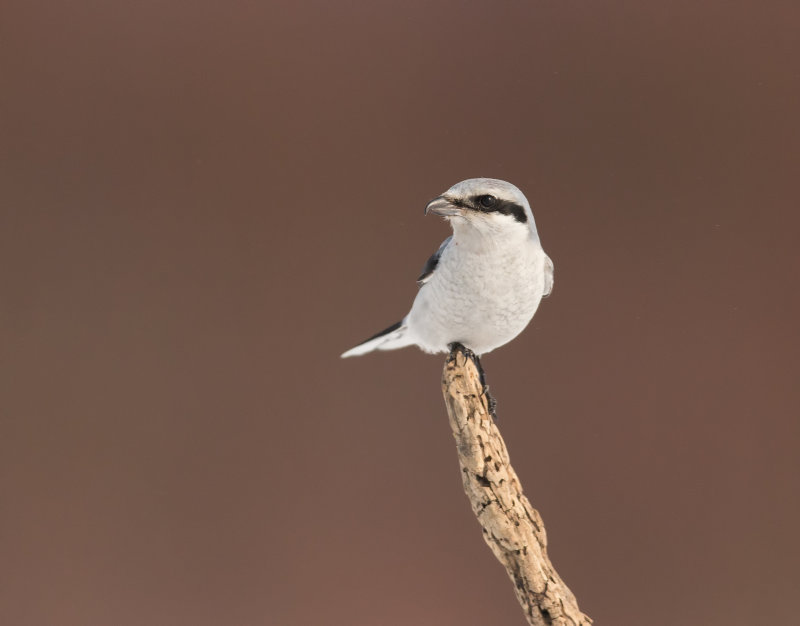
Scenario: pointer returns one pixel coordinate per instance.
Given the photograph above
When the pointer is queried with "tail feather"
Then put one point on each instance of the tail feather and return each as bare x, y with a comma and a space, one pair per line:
389, 339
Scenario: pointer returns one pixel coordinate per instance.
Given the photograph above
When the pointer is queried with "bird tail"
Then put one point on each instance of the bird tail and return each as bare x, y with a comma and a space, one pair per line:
396, 336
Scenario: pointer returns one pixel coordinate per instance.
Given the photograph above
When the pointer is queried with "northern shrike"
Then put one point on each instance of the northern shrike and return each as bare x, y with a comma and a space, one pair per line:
484, 283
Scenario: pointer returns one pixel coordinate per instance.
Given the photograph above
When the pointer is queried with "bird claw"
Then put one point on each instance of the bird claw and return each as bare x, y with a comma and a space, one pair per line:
456, 346
469, 354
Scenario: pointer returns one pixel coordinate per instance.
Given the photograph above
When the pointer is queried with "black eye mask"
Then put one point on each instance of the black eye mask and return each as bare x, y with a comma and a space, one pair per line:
491, 204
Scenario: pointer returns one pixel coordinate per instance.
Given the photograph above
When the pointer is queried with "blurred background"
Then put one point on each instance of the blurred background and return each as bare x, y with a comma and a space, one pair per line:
202, 204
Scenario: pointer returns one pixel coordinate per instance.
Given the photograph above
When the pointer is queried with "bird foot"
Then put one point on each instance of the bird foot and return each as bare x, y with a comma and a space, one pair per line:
455, 347
477, 360
491, 401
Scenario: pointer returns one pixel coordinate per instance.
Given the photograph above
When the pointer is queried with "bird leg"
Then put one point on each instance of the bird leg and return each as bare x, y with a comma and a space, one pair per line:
477, 360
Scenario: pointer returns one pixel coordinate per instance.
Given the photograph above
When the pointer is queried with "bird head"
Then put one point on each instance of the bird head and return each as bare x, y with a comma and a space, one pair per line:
487, 205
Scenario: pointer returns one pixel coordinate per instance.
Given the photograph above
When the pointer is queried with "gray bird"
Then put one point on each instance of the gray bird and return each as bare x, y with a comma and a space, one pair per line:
484, 283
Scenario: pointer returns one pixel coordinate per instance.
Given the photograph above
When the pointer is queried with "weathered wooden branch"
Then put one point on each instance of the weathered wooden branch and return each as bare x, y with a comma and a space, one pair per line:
511, 526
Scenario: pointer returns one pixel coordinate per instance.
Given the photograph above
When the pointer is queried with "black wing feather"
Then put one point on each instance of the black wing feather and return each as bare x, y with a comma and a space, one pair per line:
432, 263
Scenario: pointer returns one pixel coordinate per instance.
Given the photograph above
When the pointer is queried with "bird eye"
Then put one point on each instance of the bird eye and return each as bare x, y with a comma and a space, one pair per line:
487, 202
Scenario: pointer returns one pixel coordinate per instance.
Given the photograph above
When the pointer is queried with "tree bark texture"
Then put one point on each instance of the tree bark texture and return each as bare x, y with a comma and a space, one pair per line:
511, 526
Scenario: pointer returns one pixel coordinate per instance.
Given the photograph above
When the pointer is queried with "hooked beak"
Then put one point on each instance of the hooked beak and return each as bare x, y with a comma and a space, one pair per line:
443, 207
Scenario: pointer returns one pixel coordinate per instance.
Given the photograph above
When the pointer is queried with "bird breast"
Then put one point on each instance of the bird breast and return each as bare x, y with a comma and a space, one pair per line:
481, 298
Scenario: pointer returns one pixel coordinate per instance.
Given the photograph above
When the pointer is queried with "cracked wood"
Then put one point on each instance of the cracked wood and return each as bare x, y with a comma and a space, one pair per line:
512, 528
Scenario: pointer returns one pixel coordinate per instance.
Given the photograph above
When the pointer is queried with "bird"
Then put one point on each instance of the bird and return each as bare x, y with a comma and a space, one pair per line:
482, 287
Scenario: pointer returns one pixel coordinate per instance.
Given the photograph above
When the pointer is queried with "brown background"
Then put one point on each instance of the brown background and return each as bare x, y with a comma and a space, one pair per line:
203, 204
